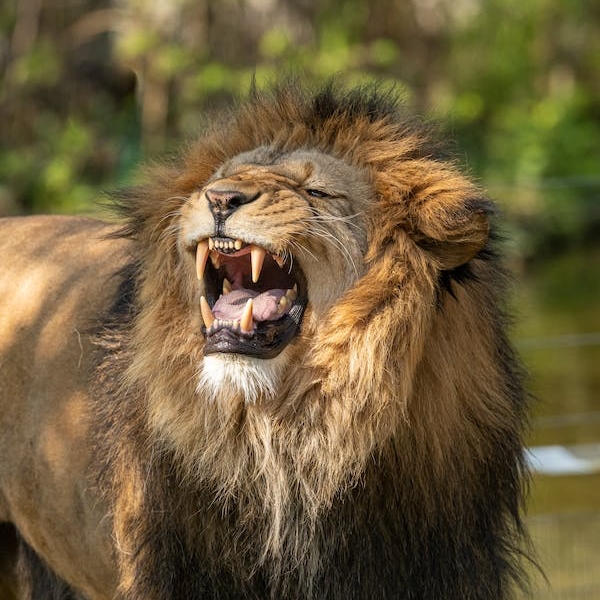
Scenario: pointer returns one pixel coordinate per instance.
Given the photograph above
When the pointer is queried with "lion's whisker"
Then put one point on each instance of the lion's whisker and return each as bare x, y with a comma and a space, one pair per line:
324, 234
320, 216
172, 227
302, 249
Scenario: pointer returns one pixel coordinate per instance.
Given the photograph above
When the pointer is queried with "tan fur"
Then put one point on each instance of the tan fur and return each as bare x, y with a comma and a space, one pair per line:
54, 284
388, 367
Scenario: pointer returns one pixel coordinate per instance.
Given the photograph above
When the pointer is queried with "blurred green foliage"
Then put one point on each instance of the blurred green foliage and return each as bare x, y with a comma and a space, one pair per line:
90, 88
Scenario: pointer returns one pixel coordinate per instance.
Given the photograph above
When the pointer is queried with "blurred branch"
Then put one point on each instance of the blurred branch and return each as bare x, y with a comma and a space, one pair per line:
26, 27
97, 22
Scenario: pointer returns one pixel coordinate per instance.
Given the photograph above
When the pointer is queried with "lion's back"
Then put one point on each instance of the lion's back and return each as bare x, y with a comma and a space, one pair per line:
53, 284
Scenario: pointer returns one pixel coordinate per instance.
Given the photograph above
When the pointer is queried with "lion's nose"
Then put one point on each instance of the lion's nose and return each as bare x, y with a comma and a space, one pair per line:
224, 202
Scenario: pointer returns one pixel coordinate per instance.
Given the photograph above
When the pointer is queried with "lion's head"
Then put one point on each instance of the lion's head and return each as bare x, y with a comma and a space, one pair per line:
292, 225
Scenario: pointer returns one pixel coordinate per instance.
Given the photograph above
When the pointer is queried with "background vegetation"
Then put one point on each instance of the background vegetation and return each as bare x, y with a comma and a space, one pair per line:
89, 88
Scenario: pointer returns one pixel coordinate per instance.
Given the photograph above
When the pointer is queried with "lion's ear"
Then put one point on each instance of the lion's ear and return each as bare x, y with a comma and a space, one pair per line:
453, 234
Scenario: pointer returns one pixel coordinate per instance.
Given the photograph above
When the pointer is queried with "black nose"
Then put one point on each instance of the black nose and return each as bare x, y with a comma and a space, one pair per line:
224, 202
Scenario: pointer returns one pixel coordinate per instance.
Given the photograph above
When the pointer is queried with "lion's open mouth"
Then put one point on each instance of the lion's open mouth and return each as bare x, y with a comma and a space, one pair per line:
254, 299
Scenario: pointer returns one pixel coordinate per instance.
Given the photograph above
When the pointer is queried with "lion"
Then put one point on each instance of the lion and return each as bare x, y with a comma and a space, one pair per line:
284, 373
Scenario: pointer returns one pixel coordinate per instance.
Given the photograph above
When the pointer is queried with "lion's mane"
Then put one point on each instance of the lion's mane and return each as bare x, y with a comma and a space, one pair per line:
388, 462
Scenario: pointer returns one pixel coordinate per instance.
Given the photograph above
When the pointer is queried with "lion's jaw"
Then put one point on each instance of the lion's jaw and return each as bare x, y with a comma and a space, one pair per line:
272, 235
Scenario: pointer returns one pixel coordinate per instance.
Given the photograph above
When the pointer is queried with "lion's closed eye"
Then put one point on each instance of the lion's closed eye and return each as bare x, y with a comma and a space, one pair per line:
315, 193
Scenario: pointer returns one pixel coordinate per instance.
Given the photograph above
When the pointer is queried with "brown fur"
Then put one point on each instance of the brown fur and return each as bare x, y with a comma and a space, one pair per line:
388, 462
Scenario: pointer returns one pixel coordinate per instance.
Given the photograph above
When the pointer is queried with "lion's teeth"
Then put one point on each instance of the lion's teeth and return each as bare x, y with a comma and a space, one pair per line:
215, 257
257, 257
283, 304
246, 322
279, 260
206, 312
201, 257
227, 286
292, 293
217, 244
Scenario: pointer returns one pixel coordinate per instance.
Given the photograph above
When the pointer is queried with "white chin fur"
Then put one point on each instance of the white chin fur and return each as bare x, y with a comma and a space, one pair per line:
223, 375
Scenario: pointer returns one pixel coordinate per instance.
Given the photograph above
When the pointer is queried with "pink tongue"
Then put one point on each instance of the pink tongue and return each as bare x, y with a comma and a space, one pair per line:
229, 307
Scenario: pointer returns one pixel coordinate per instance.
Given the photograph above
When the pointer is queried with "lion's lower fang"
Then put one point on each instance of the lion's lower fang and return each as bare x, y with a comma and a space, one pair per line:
207, 314
246, 322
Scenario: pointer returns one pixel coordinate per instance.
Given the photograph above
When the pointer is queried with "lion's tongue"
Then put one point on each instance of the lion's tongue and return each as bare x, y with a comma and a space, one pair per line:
229, 307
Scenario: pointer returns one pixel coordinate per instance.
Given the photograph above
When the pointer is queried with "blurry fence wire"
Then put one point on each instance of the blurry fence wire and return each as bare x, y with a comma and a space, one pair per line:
568, 549
567, 538
576, 340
